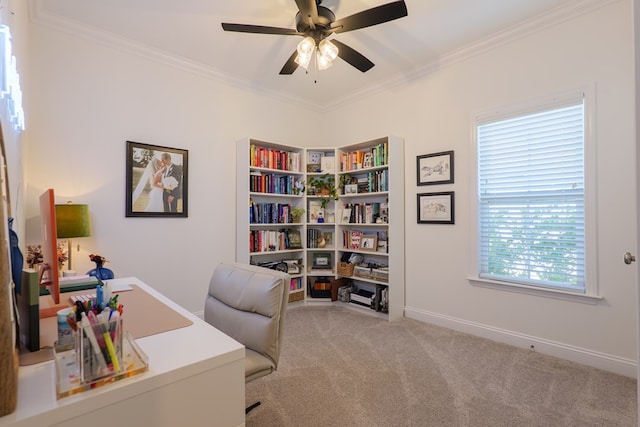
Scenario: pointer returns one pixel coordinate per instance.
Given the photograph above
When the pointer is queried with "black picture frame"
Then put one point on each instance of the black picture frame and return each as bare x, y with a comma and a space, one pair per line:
172, 184
321, 261
435, 168
436, 208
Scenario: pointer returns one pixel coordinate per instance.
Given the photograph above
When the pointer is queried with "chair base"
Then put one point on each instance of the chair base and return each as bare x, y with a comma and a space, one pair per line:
250, 408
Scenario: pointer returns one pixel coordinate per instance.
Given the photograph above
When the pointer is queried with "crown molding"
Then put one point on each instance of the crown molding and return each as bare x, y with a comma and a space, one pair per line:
568, 11
122, 44
529, 27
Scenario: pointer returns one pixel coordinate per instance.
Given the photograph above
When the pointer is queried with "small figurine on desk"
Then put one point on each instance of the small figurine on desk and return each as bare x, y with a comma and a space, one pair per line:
100, 272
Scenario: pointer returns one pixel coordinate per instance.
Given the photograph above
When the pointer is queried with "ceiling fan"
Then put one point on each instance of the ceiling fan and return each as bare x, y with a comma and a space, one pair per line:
316, 23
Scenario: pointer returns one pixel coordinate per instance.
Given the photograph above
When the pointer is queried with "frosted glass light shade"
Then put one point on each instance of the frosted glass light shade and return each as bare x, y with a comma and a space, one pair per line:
72, 221
305, 50
303, 60
306, 46
328, 49
323, 61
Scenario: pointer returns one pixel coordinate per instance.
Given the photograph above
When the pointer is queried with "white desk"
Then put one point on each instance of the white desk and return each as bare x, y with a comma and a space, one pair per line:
195, 378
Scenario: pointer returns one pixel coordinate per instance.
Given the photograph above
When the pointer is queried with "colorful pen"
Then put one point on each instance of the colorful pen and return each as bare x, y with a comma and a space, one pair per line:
93, 340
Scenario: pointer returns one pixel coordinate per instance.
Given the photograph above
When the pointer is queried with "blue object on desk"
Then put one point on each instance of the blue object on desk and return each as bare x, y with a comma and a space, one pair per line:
101, 273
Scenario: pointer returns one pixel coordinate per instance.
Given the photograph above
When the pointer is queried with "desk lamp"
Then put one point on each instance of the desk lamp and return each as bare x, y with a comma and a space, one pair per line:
72, 221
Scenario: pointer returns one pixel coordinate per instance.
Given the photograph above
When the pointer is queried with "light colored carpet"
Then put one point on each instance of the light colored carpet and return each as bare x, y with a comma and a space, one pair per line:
339, 367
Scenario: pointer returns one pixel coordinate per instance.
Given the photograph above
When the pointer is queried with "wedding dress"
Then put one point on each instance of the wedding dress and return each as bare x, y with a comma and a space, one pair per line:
155, 200
152, 177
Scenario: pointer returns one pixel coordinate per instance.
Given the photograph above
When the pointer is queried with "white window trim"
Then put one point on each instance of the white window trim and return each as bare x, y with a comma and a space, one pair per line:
591, 294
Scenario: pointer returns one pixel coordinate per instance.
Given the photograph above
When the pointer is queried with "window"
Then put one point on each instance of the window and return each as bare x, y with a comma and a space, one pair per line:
531, 197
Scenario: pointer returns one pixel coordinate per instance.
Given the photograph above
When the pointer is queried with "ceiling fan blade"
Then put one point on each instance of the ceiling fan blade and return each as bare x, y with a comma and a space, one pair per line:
291, 65
260, 29
374, 16
353, 57
309, 10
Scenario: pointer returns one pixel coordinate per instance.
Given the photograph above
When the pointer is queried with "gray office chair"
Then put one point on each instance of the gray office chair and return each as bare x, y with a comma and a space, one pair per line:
248, 303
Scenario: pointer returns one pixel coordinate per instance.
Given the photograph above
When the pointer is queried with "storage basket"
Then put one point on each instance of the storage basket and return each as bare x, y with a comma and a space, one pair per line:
345, 269
296, 296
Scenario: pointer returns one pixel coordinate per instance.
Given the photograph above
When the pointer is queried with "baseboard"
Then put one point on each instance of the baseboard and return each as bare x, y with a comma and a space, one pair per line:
583, 356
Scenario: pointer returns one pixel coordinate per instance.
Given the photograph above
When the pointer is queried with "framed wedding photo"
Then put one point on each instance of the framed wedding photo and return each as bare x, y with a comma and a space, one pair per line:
436, 168
157, 181
436, 208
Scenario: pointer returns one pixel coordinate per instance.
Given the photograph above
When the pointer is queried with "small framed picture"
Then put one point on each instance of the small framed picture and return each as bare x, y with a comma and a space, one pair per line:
315, 157
157, 181
369, 243
351, 189
327, 164
321, 261
436, 168
436, 208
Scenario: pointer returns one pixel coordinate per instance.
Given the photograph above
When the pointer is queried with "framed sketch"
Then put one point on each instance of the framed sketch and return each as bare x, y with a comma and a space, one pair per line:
436, 208
157, 181
351, 189
369, 242
328, 164
436, 168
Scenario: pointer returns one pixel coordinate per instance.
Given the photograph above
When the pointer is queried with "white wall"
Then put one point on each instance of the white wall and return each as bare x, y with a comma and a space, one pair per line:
435, 114
88, 99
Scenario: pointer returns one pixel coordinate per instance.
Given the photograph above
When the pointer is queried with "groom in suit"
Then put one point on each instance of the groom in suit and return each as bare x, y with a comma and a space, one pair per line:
170, 196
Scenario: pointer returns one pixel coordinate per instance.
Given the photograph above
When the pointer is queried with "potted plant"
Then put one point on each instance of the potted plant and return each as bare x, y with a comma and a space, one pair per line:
296, 214
324, 186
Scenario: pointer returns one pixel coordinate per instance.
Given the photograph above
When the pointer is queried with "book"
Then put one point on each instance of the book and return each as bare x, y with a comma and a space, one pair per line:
354, 239
67, 281
384, 212
346, 216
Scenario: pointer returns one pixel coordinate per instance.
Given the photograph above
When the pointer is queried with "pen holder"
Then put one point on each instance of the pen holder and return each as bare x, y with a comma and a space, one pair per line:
99, 350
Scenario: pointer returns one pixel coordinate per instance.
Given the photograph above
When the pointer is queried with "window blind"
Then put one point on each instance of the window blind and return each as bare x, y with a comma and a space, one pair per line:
531, 198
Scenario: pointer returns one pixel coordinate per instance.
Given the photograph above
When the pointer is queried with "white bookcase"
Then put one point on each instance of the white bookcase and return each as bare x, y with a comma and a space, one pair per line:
376, 200
267, 181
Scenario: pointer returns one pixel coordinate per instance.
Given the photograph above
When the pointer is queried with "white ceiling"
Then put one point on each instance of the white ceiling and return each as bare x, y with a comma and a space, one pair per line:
189, 32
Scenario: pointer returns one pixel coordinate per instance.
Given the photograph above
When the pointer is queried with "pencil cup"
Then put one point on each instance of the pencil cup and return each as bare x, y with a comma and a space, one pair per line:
99, 350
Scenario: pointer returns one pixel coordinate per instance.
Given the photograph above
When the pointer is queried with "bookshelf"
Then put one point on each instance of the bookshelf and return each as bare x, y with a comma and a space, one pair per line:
267, 183
372, 201
370, 223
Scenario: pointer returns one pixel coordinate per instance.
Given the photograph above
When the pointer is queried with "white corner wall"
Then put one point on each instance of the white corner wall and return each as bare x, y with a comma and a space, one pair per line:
435, 113
86, 99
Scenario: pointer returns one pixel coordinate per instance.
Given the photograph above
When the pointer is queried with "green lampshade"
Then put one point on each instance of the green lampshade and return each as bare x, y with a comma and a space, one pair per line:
72, 221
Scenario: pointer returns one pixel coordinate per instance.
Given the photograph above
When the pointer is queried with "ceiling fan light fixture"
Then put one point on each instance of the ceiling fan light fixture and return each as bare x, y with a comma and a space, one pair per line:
323, 61
328, 49
306, 46
303, 60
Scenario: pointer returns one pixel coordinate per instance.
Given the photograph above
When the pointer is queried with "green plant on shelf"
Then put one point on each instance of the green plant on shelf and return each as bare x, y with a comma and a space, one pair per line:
325, 187
296, 214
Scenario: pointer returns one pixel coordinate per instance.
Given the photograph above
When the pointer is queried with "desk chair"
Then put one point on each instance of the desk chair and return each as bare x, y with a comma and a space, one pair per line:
248, 303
